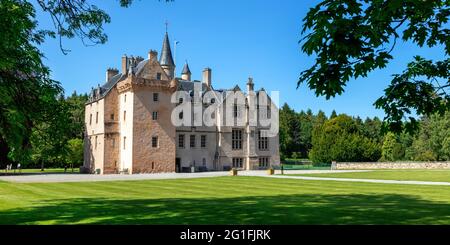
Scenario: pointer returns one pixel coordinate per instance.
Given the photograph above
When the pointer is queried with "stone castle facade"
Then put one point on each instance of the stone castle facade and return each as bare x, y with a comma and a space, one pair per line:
130, 129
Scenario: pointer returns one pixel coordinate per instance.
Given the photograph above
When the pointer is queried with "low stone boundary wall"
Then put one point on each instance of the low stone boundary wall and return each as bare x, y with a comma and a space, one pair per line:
391, 165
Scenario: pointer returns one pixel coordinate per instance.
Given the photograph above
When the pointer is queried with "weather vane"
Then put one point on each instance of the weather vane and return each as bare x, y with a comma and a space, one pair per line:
167, 24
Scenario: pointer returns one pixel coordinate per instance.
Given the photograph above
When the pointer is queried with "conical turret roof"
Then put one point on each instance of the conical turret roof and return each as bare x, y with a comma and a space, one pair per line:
166, 54
186, 69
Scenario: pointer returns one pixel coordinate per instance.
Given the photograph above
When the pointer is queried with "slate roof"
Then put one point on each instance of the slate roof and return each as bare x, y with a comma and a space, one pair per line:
188, 86
166, 54
140, 66
186, 69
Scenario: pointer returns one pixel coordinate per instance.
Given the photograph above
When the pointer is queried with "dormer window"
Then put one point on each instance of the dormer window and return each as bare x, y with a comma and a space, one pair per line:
158, 76
155, 97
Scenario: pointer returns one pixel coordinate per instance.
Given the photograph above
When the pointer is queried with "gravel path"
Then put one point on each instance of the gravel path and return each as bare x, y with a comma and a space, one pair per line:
403, 182
49, 178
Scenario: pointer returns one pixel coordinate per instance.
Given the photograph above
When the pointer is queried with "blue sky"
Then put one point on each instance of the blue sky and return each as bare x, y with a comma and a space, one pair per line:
236, 38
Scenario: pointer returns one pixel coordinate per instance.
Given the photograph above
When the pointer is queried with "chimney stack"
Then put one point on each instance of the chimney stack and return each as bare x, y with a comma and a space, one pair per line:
124, 64
207, 76
110, 73
152, 55
250, 84
139, 59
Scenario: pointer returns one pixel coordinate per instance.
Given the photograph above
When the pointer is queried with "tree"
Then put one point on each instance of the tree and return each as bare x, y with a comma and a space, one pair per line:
372, 129
284, 133
433, 140
28, 97
320, 119
49, 138
76, 105
75, 154
339, 139
27, 94
333, 114
295, 129
351, 38
388, 149
49, 141
78, 18
306, 126
405, 140
440, 136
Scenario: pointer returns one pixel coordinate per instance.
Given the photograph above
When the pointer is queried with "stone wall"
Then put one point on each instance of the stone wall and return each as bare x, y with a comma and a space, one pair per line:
95, 129
391, 165
194, 156
148, 159
112, 133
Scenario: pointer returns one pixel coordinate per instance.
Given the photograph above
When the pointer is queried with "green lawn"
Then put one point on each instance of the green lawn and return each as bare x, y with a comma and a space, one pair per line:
223, 200
420, 175
38, 170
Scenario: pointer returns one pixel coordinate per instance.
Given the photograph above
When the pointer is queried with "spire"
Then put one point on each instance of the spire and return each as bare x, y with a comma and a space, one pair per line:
166, 54
186, 69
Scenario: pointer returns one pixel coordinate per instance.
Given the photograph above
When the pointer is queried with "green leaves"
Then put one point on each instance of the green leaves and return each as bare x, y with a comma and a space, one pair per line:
296, 131
345, 138
423, 88
388, 149
77, 18
432, 142
75, 155
351, 38
29, 102
341, 139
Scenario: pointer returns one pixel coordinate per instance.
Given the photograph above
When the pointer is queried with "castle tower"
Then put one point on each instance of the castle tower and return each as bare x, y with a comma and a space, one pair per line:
166, 59
186, 73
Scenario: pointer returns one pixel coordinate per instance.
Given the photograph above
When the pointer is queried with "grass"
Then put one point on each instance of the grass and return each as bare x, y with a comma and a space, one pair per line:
419, 175
38, 170
223, 200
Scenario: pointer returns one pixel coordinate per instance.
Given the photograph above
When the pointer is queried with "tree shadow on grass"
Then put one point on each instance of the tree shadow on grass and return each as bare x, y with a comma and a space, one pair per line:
281, 209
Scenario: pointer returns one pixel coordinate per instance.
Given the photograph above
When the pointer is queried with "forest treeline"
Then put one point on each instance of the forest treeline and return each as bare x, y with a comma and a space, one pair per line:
340, 137
59, 145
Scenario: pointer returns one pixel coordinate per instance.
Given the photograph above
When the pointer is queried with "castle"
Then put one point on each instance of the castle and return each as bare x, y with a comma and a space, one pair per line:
129, 122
